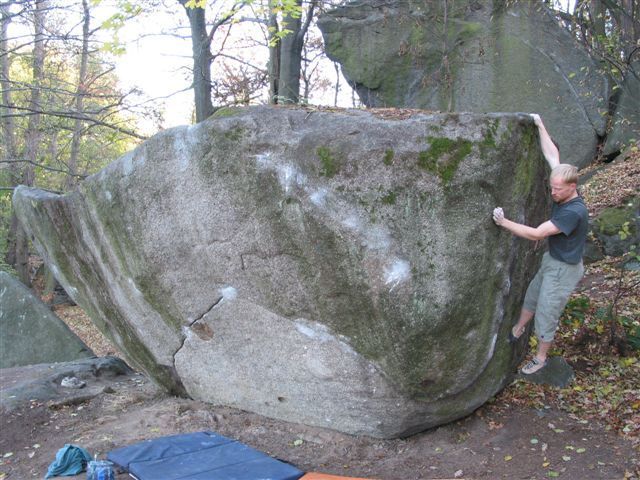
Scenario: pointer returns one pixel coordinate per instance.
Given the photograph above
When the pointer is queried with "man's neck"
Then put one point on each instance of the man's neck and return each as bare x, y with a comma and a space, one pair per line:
575, 195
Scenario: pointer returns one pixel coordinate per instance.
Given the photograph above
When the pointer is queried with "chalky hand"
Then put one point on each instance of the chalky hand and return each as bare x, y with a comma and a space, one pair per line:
498, 215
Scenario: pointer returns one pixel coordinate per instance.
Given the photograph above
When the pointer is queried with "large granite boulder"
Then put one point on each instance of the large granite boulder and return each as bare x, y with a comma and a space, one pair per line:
338, 269
477, 56
625, 123
30, 333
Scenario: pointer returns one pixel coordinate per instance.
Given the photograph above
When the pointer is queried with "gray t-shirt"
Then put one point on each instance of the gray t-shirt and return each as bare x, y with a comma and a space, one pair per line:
572, 219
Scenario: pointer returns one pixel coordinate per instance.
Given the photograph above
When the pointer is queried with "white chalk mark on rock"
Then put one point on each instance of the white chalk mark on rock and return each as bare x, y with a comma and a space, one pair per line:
288, 175
228, 293
397, 272
318, 198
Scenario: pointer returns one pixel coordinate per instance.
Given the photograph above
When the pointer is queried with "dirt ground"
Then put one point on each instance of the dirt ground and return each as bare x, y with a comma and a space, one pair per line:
497, 441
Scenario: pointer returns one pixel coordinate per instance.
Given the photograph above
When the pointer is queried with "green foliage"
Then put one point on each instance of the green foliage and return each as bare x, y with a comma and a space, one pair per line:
329, 165
389, 198
617, 220
277, 35
196, 4
288, 8
489, 140
114, 47
575, 311
226, 112
633, 334
468, 30
99, 144
444, 156
126, 10
5, 219
625, 231
388, 157
606, 316
100, 133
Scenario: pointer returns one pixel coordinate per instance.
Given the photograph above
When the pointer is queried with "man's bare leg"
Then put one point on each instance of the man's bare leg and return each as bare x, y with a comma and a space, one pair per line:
543, 350
525, 317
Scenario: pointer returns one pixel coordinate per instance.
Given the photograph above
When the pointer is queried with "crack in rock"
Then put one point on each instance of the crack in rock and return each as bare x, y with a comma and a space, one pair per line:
217, 301
202, 330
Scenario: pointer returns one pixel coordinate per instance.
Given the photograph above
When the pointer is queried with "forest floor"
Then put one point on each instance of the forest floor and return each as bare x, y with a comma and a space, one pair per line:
589, 430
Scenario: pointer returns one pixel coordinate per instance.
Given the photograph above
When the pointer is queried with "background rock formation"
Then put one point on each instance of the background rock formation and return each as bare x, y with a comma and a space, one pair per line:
625, 124
477, 56
31, 332
335, 269
618, 228
44, 382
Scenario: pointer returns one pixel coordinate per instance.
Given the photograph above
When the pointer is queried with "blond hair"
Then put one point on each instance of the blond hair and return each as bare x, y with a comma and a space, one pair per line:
567, 173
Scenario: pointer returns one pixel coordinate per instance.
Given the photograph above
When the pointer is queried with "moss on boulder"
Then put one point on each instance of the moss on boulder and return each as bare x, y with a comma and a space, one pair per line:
618, 228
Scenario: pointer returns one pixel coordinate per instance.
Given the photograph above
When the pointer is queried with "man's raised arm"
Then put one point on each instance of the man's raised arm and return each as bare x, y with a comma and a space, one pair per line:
549, 150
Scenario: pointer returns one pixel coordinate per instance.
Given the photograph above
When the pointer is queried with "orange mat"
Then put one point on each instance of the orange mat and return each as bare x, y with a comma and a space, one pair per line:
322, 476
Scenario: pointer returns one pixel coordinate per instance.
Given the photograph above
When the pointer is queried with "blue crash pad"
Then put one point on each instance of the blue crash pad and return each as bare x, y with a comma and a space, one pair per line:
200, 456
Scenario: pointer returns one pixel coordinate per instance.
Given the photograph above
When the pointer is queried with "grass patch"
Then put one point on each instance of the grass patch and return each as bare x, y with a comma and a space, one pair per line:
329, 165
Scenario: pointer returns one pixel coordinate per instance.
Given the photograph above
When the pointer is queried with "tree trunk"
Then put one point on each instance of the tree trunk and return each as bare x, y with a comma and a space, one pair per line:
201, 52
274, 55
81, 91
8, 127
597, 12
629, 28
18, 243
33, 134
290, 59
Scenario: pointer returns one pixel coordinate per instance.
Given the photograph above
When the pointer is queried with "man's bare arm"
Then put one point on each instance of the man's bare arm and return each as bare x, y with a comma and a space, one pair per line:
541, 232
549, 150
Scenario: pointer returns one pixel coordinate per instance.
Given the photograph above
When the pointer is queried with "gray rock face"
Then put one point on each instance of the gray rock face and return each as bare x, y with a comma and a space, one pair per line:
478, 56
45, 382
618, 228
338, 269
625, 124
30, 332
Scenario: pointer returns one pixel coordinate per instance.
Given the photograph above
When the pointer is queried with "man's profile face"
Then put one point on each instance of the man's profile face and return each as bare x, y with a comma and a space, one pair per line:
561, 191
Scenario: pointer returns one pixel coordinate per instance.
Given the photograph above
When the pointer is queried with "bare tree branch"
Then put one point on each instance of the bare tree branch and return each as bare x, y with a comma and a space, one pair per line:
72, 115
226, 17
241, 61
41, 165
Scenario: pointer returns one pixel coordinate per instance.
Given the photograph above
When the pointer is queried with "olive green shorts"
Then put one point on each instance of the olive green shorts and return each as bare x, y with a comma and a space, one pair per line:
548, 293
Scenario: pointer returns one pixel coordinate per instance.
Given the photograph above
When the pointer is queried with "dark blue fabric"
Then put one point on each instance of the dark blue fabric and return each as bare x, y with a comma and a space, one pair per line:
572, 219
165, 447
200, 461
70, 460
200, 456
259, 469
